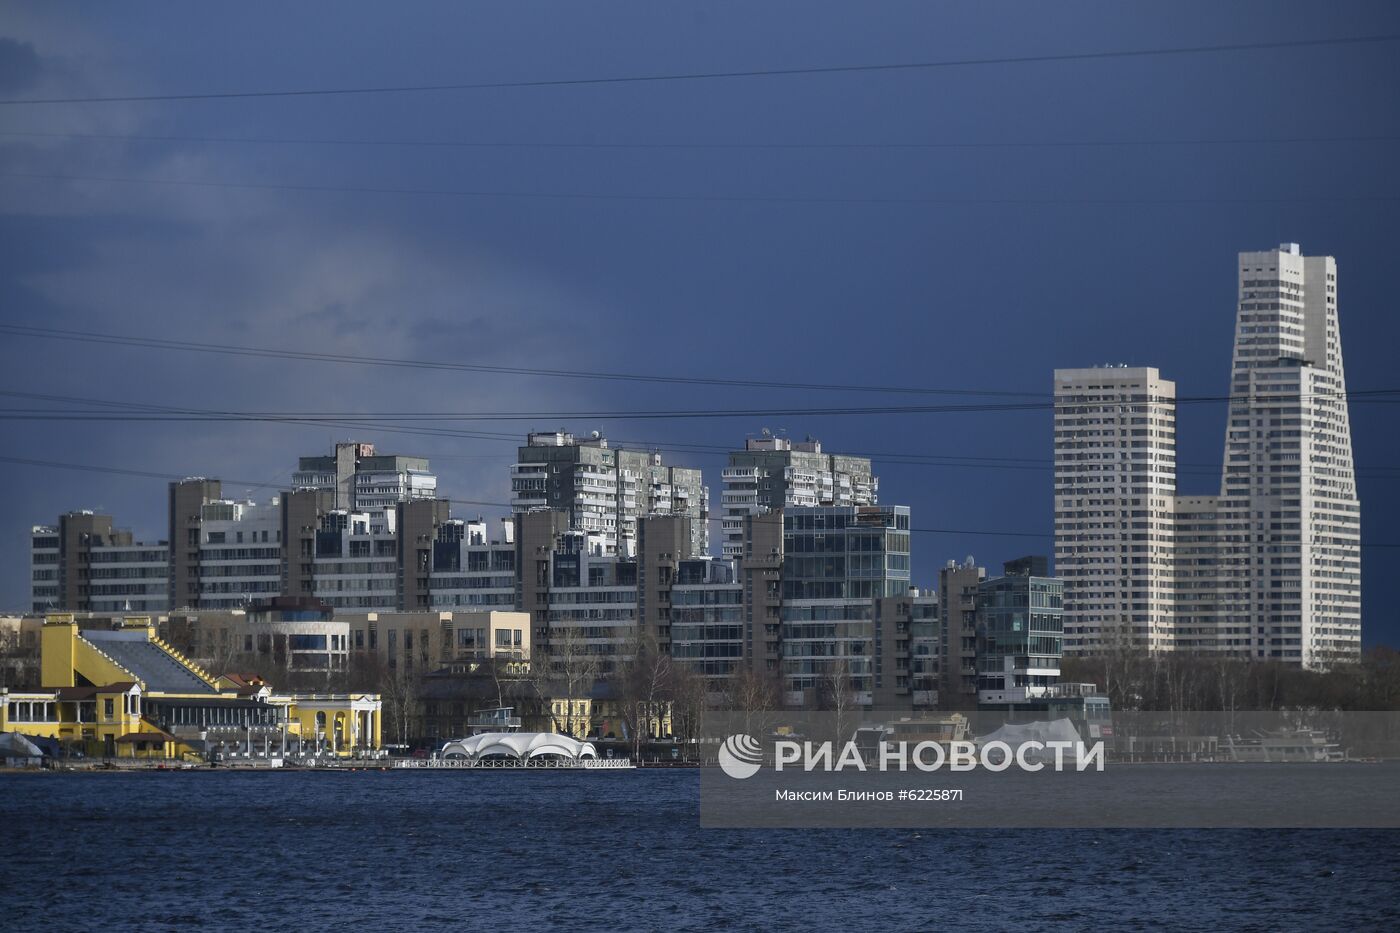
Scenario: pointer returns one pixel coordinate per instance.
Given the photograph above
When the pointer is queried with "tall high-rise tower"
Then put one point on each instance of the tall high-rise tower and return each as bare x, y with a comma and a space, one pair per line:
1288, 488
1268, 569
1115, 486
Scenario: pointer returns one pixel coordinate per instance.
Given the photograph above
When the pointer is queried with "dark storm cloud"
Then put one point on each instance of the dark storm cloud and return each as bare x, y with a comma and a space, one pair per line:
19, 65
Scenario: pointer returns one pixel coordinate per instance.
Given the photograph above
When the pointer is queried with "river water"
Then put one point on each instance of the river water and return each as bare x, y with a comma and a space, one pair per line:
622, 850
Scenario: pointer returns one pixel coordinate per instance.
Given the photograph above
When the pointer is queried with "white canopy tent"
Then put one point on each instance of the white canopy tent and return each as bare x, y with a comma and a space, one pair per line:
522, 746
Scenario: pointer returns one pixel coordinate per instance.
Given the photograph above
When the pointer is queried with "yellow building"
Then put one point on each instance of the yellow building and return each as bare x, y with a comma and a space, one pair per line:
123, 692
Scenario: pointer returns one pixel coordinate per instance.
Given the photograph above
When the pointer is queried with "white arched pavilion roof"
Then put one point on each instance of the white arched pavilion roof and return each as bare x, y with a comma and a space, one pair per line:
520, 745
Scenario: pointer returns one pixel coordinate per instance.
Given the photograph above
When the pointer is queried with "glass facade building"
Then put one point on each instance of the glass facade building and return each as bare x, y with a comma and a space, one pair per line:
1020, 633
707, 619
836, 562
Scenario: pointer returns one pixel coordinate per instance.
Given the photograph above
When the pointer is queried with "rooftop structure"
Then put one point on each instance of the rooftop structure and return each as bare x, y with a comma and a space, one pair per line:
365, 481
773, 473
604, 490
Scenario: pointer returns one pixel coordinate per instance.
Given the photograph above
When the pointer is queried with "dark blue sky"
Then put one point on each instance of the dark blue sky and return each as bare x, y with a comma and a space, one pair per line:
905, 292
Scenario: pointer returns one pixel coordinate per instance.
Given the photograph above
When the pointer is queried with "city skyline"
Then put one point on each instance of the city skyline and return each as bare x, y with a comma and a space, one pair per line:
355, 475
522, 460
982, 297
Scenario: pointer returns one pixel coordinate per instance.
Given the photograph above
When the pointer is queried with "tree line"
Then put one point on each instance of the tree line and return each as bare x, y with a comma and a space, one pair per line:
1179, 681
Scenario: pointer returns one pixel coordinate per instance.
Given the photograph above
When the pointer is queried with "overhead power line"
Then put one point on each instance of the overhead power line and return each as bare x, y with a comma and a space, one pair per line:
951, 201
1042, 399
676, 77
710, 145
118, 471
677, 414
49, 333
710, 450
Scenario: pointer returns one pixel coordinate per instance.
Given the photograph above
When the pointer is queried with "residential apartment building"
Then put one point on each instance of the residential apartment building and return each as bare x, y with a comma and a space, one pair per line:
240, 553
44, 555
707, 620
760, 575
958, 585
606, 490
425, 641
1020, 626
1270, 567
84, 564
471, 570
1288, 508
906, 640
362, 480
1214, 576
663, 544
837, 562
298, 544
813, 602
356, 561
1115, 494
925, 643
773, 473
184, 514
280, 635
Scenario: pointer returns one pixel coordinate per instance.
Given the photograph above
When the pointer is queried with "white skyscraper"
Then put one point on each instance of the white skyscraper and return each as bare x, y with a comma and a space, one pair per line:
1115, 486
1270, 568
1288, 487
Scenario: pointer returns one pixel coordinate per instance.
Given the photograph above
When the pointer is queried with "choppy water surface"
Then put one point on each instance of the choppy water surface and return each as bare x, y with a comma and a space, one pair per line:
371, 850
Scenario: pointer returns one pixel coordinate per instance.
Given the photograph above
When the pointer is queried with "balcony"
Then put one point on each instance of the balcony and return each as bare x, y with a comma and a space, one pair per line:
502, 719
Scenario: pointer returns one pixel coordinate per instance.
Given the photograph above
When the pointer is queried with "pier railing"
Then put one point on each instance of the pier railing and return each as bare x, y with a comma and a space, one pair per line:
586, 764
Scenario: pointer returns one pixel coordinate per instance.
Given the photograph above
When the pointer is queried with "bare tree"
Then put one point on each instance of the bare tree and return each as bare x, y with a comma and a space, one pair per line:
1228, 684
570, 667
754, 696
836, 695
505, 672
400, 690
641, 687
219, 653
689, 703
19, 665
